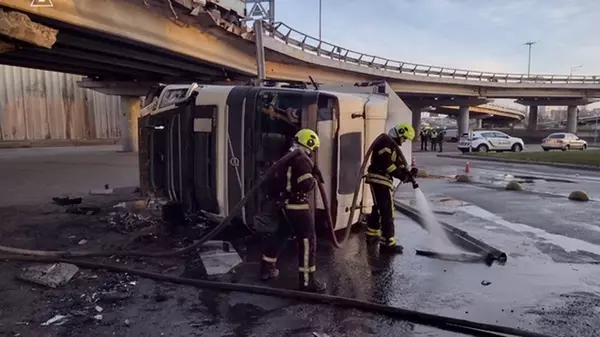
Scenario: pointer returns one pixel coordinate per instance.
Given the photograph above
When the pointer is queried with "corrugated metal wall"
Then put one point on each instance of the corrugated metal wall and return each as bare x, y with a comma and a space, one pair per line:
37, 105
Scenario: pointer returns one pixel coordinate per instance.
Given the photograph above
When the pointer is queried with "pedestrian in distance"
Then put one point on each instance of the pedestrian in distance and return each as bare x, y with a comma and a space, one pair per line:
434, 137
440, 139
299, 179
384, 166
424, 136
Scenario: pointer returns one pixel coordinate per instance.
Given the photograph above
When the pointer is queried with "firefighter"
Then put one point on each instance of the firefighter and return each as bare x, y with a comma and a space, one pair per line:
386, 165
300, 174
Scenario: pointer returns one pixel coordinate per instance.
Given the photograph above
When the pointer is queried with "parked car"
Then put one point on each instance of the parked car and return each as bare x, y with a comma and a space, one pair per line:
563, 141
489, 140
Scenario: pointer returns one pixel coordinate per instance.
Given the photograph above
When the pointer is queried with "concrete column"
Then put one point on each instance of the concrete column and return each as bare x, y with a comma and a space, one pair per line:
130, 112
416, 120
463, 120
572, 119
533, 118
479, 123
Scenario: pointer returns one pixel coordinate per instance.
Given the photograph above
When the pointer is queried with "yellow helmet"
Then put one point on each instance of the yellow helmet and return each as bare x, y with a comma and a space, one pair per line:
402, 131
308, 138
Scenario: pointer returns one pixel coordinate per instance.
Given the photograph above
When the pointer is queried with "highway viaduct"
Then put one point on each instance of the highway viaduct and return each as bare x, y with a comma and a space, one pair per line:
125, 46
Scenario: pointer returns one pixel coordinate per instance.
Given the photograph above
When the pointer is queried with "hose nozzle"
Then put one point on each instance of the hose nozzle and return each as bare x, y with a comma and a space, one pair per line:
415, 185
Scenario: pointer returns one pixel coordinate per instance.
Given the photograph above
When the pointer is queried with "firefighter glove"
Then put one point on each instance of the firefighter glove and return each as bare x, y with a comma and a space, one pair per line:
414, 171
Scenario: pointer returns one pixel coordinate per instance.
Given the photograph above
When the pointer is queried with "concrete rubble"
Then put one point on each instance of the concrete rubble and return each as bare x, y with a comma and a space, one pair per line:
50, 275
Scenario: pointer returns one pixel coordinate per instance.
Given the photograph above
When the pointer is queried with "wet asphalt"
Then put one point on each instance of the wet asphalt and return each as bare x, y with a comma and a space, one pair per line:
550, 283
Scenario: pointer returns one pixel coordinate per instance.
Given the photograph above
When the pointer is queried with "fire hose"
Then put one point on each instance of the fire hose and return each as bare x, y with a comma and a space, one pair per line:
446, 323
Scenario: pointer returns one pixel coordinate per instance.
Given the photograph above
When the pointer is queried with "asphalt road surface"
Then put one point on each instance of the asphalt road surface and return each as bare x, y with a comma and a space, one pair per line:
550, 283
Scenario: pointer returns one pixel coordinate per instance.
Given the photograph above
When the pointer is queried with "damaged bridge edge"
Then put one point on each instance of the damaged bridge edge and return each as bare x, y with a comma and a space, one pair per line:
457, 236
19, 27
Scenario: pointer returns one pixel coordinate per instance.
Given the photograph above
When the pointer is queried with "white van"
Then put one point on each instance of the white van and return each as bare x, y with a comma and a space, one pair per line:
451, 135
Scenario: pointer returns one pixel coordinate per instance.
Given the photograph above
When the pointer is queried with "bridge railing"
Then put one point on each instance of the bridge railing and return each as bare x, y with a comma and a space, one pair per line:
307, 43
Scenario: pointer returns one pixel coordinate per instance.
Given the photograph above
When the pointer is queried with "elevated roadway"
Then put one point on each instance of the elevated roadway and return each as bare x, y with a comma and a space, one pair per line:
125, 45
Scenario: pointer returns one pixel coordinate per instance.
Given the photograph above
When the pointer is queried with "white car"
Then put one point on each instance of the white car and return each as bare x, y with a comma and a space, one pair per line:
489, 140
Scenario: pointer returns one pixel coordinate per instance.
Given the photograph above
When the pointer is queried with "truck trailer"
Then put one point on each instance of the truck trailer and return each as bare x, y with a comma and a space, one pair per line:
205, 146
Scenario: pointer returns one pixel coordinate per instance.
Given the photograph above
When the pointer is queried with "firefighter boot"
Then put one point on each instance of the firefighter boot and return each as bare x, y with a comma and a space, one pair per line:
313, 285
373, 235
389, 246
268, 271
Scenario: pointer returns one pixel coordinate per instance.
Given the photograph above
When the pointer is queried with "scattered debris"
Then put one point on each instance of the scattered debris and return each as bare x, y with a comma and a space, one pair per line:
126, 322
219, 258
98, 308
51, 275
84, 210
113, 296
105, 191
463, 178
82, 242
485, 283
128, 222
56, 320
98, 317
67, 201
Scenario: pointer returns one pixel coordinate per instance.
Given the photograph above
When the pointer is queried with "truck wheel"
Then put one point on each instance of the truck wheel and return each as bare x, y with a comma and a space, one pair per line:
482, 148
517, 147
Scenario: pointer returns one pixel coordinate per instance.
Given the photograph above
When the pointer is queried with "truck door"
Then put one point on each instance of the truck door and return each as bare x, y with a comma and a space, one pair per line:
349, 155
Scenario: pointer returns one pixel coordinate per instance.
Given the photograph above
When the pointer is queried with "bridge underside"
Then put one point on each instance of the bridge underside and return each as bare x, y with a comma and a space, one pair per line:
108, 57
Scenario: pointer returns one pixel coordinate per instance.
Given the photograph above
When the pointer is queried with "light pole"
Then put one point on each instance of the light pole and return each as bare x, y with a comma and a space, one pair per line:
320, 11
574, 68
596, 127
529, 43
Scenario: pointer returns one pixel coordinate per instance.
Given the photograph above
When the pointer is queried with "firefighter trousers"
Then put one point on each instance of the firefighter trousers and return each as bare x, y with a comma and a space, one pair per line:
301, 224
381, 220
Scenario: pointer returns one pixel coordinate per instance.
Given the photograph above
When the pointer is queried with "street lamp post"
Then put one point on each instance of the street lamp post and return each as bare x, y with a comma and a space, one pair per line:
596, 128
574, 68
529, 43
320, 22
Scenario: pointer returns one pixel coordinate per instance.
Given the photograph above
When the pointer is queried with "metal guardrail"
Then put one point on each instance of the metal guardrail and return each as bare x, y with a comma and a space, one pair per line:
307, 43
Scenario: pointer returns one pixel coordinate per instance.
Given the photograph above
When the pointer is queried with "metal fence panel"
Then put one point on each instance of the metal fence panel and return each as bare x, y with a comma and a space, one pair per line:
37, 105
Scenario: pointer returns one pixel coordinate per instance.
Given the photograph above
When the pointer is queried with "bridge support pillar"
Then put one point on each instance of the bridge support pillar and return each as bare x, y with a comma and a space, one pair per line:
572, 119
416, 120
533, 118
463, 120
478, 123
130, 112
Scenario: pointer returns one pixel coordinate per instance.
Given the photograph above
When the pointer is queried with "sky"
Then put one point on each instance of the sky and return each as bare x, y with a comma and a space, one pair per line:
486, 35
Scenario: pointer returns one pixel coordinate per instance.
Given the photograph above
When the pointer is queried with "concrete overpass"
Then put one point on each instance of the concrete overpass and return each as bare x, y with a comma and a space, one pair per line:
124, 46
488, 111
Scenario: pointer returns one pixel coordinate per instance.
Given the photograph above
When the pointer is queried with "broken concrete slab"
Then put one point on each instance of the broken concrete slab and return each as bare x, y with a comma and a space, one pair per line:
19, 26
50, 275
218, 258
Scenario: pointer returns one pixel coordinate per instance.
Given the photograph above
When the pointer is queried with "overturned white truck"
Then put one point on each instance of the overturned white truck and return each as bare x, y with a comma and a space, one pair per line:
206, 146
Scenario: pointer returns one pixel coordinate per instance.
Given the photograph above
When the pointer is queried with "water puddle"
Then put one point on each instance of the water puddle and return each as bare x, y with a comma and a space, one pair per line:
568, 244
